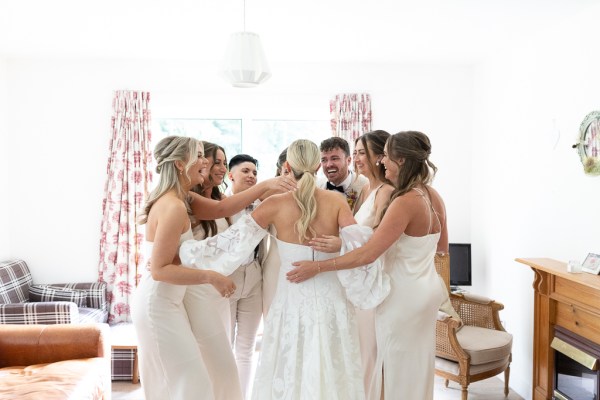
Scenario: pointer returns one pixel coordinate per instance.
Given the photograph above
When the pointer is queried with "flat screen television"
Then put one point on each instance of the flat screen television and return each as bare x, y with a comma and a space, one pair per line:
460, 264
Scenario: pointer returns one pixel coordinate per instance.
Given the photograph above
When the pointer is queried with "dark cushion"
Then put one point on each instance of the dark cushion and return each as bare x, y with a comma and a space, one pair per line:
15, 280
39, 293
96, 293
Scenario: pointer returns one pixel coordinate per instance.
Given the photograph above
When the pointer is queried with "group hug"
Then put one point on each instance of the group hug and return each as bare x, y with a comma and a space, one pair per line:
340, 270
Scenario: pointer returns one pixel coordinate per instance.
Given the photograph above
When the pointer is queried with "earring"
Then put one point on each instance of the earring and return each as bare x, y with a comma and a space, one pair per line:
180, 172
377, 163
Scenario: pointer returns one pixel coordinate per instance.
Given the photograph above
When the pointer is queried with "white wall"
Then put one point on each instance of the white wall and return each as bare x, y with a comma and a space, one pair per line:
531, 197
60, 126
4, 183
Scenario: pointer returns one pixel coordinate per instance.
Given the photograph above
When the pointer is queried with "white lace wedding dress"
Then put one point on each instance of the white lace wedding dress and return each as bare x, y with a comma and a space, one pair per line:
310, 342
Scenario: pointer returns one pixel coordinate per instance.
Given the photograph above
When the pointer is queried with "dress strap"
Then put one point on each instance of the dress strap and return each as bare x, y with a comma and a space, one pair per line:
431, 209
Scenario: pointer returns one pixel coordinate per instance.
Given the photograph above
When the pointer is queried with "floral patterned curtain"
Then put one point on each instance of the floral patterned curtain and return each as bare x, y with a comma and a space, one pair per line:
350, 115
127, 182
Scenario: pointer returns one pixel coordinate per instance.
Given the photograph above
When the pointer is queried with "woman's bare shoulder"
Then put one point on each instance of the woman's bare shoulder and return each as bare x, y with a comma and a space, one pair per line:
169, 206
385, 190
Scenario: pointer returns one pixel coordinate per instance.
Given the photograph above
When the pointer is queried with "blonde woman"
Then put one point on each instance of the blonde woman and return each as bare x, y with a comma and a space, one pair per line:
310, 343
171, 366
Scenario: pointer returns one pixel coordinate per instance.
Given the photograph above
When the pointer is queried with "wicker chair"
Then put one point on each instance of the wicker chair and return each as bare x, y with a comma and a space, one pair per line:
477, 350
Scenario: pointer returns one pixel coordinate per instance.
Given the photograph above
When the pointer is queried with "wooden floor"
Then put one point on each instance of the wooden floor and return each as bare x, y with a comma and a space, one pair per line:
489, 389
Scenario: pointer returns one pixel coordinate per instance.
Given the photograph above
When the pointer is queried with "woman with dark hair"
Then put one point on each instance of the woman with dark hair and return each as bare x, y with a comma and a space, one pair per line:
374, 197
412, 229
209, 313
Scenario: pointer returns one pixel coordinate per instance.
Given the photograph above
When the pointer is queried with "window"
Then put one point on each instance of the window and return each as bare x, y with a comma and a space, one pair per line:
268, 138
224, 132
262, 139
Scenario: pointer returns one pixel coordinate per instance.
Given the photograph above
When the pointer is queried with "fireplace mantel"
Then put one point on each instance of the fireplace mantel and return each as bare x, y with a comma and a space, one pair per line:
564, 299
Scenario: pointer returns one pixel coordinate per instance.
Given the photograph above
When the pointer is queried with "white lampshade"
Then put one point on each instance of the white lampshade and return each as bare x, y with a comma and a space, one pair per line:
244, 64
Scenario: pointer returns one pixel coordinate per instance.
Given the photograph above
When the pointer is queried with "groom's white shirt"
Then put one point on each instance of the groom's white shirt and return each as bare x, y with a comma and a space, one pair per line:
352, 185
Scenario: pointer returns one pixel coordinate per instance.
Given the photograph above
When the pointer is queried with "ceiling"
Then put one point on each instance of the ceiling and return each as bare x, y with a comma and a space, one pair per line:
375, 31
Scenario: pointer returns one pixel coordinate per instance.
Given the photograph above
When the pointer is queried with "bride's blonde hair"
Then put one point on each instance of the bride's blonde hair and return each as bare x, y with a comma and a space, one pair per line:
304, 159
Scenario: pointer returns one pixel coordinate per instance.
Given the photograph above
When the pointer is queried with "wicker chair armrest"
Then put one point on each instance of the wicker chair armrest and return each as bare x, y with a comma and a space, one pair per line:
478, 311
446, 343
46, 313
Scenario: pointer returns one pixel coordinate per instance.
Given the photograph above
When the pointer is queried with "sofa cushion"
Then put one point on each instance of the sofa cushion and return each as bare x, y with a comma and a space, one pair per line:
89, 315
39, 293
15, 280
446, 307
72, 379
96, 293
484, 345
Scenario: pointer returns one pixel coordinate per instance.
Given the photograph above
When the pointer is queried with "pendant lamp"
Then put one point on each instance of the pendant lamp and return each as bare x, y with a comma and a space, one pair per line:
244, 64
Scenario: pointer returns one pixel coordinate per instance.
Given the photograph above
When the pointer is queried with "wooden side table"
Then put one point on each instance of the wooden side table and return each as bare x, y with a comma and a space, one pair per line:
123, 337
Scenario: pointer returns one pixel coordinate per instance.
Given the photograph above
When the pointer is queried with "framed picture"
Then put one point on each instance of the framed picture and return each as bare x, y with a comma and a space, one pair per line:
591, 264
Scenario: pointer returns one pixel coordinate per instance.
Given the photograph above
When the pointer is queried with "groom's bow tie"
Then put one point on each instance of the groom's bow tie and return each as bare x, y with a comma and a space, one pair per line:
331, 186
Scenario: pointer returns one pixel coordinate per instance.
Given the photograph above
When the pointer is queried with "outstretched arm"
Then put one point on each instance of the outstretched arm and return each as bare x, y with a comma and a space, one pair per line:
204, 208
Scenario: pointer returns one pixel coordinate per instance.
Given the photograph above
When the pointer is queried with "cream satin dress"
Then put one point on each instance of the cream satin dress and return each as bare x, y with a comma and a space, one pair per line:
365, 216
171, 365
210, 319
405, 320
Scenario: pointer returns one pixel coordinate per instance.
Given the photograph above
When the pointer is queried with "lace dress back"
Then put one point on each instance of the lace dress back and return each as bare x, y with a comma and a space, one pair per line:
310, 337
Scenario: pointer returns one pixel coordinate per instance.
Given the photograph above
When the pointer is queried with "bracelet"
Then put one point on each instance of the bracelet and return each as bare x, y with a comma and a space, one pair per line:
318, 267
334, 266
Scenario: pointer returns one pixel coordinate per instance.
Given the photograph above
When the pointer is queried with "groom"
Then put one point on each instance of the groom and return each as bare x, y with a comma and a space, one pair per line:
335, 162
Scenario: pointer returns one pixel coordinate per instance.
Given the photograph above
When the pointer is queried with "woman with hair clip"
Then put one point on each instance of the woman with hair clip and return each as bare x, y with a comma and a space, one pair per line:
310, 340
412, 229
171, 366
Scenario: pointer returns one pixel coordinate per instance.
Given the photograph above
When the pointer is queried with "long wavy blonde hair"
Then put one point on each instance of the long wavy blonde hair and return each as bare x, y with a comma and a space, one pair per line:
166, 153
304, 159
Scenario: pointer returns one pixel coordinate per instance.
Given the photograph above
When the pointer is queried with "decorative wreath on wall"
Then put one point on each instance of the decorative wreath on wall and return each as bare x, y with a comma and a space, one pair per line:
588, 145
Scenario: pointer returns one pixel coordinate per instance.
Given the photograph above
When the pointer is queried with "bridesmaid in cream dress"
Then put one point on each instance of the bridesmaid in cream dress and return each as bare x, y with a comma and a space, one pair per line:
209, 313
412, 229
171, 366
374, 196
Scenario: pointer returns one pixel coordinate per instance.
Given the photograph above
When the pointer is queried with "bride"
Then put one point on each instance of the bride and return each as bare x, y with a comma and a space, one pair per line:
310, 346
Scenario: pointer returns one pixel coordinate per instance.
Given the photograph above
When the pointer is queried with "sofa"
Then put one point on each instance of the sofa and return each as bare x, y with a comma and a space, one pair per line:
22, 302
66, 361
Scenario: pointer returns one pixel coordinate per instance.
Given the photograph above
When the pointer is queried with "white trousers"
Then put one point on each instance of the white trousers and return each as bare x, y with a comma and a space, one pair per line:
209, 319
246, 313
